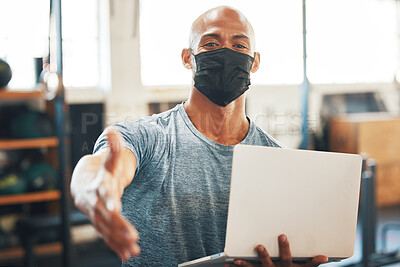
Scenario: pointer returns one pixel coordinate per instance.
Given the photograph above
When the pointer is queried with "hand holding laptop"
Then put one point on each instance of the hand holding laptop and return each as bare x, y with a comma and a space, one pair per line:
285, 257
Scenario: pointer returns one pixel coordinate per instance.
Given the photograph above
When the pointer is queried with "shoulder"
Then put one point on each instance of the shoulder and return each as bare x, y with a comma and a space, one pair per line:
155, 123
266, 138
145, 132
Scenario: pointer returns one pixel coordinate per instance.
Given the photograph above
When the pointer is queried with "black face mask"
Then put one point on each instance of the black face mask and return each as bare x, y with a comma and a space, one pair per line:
222, 75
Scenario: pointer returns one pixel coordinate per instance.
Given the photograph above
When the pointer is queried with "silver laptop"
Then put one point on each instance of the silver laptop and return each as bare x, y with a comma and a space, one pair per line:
310, 196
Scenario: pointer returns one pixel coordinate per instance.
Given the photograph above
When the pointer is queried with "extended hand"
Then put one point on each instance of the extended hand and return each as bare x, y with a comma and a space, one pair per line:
285, 257
99, 198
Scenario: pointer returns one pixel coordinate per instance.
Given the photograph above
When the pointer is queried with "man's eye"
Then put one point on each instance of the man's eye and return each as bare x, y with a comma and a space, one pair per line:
240, 46
210, 44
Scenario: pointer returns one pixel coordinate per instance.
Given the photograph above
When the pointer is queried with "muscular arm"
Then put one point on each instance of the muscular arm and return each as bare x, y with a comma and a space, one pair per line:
97, 185
88, 166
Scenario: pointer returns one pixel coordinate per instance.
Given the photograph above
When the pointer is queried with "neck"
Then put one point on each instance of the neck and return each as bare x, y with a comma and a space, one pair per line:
226, 125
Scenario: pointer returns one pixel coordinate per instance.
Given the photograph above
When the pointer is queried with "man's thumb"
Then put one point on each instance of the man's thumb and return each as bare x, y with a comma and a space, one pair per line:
116, 143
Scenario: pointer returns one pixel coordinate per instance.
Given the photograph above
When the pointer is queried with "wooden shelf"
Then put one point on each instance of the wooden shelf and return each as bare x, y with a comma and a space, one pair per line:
18, 252
30, 197
5, 94
28, 143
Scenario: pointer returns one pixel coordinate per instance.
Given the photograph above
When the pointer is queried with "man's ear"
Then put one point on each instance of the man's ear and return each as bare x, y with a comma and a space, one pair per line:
256, 62
186, 58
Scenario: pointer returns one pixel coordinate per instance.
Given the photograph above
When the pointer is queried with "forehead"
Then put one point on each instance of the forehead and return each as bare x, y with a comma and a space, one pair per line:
221, 20
225, 20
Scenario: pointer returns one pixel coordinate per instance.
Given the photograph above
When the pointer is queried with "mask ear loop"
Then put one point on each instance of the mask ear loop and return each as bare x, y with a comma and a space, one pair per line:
194, 56
191, 52
254, 59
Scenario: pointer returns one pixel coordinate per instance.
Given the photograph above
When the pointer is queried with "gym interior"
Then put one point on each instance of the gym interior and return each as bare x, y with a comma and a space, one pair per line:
329, 80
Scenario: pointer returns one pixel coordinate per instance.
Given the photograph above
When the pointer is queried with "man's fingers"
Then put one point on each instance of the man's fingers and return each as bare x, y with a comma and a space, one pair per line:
118, 238
115, 222
316, 261
284, 251
264, 256
120, 235
122, 245
119, 222
117, 250
243, 263
108, 237
114, 226
122, 252
116, 143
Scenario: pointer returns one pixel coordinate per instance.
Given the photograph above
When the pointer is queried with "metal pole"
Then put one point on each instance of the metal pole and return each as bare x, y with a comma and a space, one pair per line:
305, 87
60, 123
368, 213
372, 206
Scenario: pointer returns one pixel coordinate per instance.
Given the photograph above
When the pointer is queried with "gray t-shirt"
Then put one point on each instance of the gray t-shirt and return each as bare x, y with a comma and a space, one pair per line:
178, 199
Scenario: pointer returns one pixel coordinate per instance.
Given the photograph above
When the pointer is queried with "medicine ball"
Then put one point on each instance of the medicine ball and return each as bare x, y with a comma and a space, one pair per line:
32, 124
5, 73
40, 177
12, 183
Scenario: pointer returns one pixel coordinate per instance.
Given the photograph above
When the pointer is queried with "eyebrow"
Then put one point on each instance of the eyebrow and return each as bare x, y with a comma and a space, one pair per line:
216, 35
240, 36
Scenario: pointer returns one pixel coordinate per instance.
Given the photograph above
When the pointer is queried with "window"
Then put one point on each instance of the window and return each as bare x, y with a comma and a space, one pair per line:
352, 41
348, 41
80, 43
23, 36
164, 31
26, 36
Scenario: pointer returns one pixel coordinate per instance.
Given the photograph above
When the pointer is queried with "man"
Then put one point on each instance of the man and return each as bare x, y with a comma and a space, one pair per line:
172, 170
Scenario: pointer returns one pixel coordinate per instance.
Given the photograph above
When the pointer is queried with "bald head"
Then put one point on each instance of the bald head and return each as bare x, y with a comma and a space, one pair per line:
220, 27
222, 20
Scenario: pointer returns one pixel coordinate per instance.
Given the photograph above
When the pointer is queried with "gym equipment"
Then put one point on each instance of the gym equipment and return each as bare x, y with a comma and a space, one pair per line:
32, 124
5, 73
12, 183
10, 159
30, 230
40, 177
50, 84
4, 239
29, 157
7, 114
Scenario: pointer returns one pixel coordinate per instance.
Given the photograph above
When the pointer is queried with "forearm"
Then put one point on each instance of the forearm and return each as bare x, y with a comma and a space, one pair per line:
83, 177
85, 171
90, 173
97, 185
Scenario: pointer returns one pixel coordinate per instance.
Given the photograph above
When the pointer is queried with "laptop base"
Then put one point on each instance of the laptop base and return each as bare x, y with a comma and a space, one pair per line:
218, 260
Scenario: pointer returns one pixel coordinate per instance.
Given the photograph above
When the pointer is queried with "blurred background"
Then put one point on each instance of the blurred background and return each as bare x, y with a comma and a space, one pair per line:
67, 71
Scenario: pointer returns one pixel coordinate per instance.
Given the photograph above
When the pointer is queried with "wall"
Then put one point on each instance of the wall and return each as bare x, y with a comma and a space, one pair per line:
126, 99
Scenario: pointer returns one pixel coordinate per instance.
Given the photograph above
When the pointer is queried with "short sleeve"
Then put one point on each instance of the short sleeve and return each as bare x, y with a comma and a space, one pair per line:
141, 137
